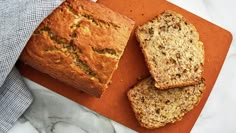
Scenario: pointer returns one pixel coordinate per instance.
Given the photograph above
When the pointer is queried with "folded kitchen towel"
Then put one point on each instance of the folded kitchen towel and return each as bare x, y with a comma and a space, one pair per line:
18, 20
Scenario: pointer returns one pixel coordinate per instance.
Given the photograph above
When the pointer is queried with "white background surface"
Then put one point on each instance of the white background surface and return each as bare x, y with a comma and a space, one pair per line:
218, 115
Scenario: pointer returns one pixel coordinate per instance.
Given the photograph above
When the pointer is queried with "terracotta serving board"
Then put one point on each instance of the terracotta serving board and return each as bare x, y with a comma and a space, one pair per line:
114, 104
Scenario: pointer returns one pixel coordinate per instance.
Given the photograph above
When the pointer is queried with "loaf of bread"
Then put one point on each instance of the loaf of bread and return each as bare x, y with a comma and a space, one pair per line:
172, 50
80, 43
155, 108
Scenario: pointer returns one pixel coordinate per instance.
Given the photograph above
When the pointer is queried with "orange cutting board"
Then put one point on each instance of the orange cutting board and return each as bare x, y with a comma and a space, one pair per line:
114, 104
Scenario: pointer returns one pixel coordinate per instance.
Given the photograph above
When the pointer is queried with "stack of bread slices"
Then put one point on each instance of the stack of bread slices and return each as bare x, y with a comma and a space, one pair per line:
175, 58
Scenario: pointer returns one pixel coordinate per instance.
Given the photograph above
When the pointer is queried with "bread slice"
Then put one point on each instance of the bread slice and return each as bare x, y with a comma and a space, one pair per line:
172, 50
155, 108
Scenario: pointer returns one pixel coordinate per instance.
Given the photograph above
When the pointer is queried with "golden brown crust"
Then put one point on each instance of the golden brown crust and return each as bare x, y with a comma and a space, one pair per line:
80, 43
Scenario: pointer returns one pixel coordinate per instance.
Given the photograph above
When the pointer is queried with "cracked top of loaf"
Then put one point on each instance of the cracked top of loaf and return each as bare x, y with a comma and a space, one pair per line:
80, 43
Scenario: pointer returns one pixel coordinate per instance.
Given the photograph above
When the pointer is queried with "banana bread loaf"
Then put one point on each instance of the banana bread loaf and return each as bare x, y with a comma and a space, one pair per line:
80, 43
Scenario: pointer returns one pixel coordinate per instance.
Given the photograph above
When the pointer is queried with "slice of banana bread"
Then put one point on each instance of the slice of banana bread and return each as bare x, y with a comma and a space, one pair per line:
155, 108
172, 50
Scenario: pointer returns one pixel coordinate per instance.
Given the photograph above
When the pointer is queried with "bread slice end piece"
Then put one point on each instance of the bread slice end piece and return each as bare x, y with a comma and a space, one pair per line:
155, 108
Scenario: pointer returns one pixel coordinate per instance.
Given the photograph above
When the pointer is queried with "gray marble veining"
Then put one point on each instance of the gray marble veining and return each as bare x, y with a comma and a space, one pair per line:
53, 113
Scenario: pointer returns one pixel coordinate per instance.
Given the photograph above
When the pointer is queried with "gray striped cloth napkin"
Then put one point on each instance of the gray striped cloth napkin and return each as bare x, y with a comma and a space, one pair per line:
18, 19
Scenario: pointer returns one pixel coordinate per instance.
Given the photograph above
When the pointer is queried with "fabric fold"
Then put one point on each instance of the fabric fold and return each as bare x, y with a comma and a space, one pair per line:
18, 20
15, 98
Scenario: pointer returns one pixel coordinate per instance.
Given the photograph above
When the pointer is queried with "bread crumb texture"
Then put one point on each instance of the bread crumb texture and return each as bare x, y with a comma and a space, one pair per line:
155, 108
172, 50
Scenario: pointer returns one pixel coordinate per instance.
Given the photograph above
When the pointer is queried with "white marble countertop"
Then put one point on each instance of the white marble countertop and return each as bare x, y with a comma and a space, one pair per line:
52, 113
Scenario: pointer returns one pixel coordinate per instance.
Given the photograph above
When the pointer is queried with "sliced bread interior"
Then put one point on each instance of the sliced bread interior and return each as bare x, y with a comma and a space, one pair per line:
155, 108
172, 50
